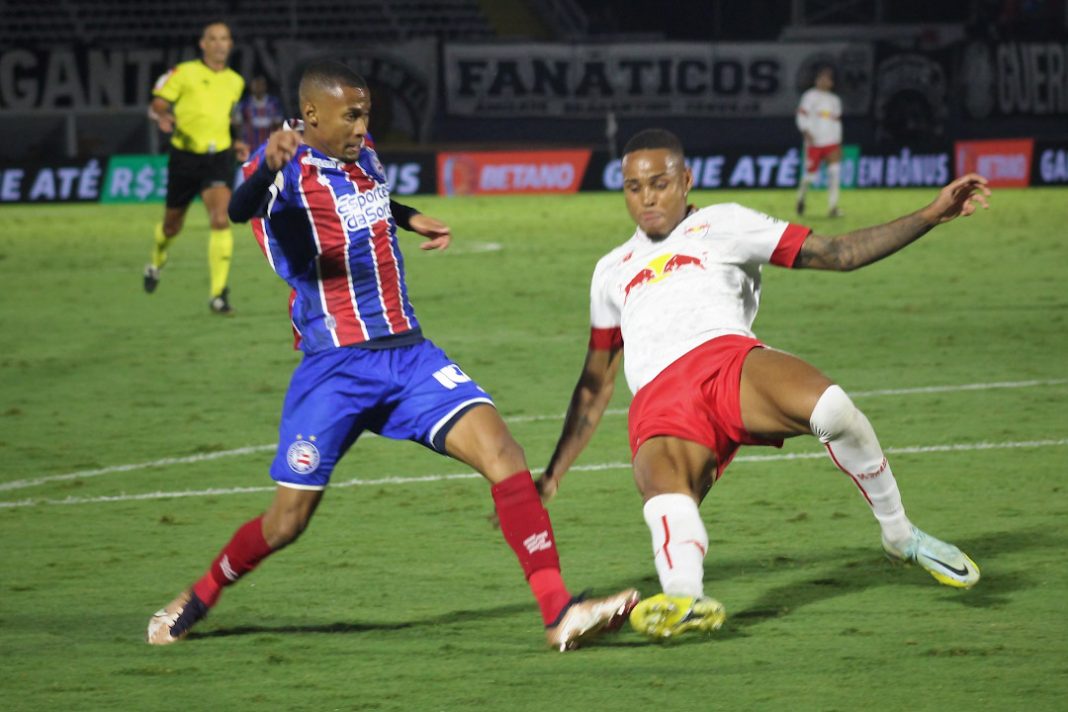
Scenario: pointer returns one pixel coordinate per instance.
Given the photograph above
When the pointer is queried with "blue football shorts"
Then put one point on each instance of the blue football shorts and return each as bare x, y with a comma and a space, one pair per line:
407, 393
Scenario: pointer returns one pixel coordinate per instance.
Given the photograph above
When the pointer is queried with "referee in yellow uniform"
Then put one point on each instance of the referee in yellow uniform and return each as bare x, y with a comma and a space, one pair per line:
194, 102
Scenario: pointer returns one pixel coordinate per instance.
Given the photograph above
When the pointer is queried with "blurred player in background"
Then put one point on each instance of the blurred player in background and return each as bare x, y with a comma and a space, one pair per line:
194, 103
258, 114
819, 118
327, 225
681, 296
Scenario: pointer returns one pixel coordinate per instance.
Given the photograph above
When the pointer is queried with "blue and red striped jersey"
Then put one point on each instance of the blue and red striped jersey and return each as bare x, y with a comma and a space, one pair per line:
258, 118
327, 230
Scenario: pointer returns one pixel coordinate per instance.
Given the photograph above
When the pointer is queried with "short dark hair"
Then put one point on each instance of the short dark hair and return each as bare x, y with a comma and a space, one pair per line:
327, 75
217, 21
654, 139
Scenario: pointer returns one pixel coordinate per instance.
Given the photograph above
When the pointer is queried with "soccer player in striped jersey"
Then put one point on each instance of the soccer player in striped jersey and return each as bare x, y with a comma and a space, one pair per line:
194, 102
259, 114
680, 297
323, 217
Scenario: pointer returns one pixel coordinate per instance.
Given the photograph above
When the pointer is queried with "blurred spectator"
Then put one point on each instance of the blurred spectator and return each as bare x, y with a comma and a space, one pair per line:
258, 114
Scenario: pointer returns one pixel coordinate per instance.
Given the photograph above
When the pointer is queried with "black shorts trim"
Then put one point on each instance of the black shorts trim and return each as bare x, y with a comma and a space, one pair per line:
190, 174
438, 443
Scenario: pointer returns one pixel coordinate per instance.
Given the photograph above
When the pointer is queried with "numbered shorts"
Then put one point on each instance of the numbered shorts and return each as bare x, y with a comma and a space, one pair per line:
406, 393
697, 398
815, 155
190, 174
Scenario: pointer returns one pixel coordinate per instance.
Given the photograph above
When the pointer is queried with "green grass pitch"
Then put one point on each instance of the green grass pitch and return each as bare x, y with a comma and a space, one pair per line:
135, 435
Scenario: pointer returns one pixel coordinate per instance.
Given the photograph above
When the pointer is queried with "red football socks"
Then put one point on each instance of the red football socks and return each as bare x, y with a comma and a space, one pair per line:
244, 551
527, 529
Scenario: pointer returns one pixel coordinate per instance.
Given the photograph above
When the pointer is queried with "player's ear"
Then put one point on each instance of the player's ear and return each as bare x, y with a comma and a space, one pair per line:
311, 117
689, 181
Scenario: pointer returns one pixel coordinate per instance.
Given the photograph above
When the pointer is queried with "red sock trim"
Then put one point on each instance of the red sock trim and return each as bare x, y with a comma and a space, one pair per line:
550, 592
207, 590
241, 554
667, 540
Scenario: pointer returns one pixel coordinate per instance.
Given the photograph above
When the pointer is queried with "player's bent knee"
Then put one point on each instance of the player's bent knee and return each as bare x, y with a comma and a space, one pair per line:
504, 457
282, 531
833, 415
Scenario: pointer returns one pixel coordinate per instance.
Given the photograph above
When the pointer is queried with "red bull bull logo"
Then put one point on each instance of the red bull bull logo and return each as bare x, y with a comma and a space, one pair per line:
659, 269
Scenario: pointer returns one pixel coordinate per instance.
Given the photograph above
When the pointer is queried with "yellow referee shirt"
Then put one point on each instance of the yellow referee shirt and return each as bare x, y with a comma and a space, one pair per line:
203, 100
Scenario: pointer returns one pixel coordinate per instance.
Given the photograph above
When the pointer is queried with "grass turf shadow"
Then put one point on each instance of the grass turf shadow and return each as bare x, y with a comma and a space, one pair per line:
857, 570
351, 627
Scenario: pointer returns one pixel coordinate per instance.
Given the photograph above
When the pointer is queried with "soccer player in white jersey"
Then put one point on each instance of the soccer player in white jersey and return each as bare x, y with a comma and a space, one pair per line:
681, 296
819, 118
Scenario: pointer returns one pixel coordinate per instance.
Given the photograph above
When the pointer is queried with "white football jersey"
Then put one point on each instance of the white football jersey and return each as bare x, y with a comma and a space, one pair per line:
700, 282
820, 113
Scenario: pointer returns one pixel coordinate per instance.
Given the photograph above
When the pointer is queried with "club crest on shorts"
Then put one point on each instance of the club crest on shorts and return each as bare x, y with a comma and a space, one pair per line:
302, 457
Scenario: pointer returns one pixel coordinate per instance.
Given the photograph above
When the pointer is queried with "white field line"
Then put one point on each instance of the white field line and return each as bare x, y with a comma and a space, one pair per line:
251, 449
417, 479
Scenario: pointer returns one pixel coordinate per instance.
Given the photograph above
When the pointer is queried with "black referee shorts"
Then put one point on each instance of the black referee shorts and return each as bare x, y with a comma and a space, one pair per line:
189, 174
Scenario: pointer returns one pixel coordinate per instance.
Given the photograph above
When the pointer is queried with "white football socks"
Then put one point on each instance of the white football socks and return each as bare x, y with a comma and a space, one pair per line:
852, 444
679, 543
834, 181
802, 187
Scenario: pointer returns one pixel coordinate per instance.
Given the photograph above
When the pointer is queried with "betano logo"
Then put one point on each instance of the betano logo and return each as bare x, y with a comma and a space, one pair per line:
501, 172
659, 269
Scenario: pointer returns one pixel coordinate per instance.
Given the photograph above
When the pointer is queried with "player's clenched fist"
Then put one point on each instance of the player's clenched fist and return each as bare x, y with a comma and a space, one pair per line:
281, 146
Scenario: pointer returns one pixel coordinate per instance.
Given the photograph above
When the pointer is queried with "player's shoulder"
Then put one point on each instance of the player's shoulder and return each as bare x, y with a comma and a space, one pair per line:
715, 214
173, 77
615, 257
728, 216
189, 69
713, 210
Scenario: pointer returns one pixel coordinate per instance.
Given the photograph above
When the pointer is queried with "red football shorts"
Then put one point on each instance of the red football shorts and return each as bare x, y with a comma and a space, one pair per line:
814, 156
697, 398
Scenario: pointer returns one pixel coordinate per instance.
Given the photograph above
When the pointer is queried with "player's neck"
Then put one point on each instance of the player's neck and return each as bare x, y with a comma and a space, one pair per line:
311, 142
213, 66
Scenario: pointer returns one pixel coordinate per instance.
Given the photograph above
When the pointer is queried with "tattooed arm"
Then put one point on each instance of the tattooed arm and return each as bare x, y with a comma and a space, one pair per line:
862, 247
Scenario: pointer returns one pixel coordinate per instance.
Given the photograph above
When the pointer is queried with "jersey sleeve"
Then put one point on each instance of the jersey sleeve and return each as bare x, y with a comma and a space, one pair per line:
762, 239
605, 319
249, 167
169, 85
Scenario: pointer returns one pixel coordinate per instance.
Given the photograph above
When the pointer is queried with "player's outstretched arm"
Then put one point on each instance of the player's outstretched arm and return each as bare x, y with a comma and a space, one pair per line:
856, 249
588, 402
250, 197
439, 234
